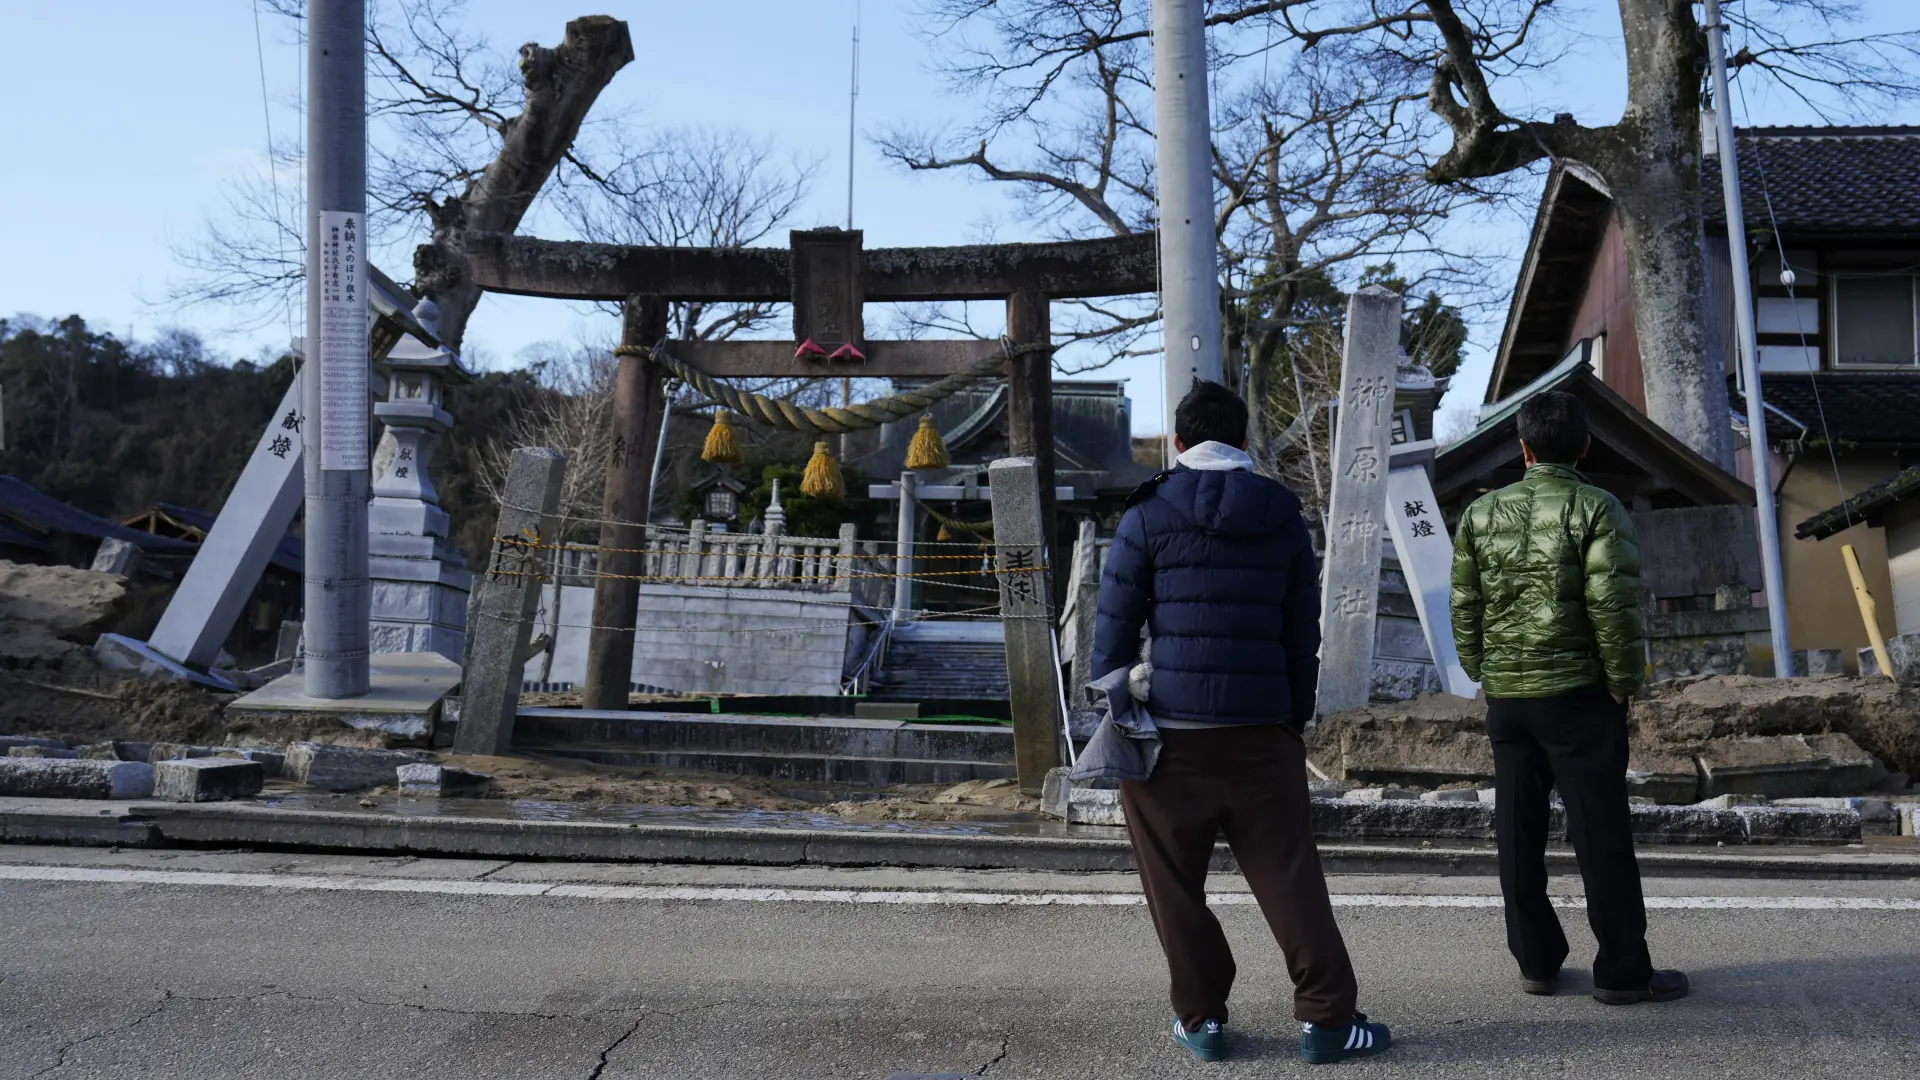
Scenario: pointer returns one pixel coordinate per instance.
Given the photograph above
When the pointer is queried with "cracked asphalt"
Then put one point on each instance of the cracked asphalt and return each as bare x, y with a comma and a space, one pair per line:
135, 979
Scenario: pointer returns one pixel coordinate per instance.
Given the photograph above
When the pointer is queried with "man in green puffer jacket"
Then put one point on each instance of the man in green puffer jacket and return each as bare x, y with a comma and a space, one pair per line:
1546, 617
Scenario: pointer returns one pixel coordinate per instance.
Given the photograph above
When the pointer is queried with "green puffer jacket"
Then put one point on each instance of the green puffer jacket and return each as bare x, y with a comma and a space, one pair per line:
1546, 589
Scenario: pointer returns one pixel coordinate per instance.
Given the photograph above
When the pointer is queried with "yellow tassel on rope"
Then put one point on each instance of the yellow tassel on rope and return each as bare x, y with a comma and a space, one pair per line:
944, 535
927, 450
722, 448
822, 478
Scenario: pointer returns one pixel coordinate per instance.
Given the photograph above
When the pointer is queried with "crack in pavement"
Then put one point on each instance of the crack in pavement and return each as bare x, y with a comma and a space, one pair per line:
1006, 1045
615, 1045
60, 1055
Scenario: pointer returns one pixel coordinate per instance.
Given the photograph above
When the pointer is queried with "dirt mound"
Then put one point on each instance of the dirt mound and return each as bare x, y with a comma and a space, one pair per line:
49, 612
1882, 717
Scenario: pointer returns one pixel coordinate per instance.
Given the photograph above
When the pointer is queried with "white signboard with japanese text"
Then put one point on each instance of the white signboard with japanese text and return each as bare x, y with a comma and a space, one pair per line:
1425, 551
343, 340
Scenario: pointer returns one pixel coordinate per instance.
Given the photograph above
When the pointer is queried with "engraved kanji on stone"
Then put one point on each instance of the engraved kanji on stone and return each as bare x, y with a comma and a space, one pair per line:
1423, 527
1415, 509
406, 453
1018, 579
291, 421
1350, 602
1365, 464
1358, 528
1372, 393
280, 446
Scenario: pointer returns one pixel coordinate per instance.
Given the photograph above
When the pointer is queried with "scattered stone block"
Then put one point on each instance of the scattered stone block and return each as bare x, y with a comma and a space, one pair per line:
1686, 825
1452, 795
1095, 806
1488, 795
886, 710
208, 779
41, 752
167, 751
75, 778
1799, 825
1733, 802
1909, 814
345, 768
117, 751
8, 742
1878, 811
1401, 819
1414, 753
273, 761
1053, 793
1377, 794
429, 781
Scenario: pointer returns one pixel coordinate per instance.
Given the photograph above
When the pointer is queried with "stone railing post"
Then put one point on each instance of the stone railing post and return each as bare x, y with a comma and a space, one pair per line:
1026, 617
500, 616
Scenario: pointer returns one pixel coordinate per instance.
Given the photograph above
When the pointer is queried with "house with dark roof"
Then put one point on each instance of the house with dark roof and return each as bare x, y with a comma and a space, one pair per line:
1833, 222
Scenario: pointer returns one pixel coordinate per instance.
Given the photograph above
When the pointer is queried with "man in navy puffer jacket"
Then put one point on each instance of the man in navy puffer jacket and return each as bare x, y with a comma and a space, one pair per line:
1215, 563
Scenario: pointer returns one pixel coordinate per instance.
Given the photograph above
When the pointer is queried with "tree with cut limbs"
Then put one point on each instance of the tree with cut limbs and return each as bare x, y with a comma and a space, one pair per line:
1648, 161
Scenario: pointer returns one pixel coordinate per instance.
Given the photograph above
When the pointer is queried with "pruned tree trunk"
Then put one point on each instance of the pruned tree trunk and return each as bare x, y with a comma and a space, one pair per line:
1650, 164
562, 85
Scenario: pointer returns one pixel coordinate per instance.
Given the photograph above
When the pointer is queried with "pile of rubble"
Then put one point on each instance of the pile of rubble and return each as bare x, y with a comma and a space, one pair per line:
1691, 739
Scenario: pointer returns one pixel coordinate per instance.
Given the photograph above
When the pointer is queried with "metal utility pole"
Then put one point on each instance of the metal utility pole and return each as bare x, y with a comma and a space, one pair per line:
853, 104
1189, 274
334, 428
1769, 526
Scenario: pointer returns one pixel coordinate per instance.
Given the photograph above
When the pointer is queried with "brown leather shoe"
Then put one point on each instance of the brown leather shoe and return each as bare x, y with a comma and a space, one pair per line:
1546, 987
1664, 986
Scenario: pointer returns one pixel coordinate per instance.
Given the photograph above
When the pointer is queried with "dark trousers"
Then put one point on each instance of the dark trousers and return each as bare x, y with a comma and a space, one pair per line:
1575, 742
1251, 783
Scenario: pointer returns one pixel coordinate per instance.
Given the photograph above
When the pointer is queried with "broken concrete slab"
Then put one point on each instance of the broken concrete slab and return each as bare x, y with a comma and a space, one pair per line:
1452, 795
41, 752
46, 611
429, 781
403, 704
1666, 776
1392, 819
1733, 802
344, 768
117, 652
208, 779
75, 778
1787, 766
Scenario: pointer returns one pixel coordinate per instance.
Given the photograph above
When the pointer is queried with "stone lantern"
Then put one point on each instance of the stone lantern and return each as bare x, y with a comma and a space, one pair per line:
420, 581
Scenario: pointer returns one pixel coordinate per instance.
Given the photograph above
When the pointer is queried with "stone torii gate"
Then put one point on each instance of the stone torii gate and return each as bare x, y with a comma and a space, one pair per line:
827, 276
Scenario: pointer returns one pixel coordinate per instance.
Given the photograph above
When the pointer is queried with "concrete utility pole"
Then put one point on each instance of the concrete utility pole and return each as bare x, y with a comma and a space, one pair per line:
334, 432
1769, 528
1189, 265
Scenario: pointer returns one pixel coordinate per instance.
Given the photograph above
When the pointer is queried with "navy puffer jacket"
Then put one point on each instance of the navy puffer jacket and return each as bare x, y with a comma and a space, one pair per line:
1218, 567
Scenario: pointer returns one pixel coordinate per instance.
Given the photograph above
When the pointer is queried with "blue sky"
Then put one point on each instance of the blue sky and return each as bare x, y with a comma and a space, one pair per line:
118, 153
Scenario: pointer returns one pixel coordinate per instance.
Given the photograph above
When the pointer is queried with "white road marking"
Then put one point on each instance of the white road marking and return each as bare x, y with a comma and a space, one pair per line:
749, 894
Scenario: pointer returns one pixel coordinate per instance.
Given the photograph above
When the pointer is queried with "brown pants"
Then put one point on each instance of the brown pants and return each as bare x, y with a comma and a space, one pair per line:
1251, 783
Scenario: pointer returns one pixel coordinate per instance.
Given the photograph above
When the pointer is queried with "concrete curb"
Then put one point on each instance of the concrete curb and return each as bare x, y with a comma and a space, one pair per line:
145, 824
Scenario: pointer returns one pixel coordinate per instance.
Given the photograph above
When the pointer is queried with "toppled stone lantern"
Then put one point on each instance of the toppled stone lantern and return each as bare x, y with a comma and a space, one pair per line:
420, 581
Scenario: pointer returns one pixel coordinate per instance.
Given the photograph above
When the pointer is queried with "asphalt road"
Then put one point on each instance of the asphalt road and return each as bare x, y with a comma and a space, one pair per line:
158, 964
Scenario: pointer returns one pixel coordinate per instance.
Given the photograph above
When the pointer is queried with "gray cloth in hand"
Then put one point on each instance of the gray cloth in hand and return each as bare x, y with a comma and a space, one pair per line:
1126, 744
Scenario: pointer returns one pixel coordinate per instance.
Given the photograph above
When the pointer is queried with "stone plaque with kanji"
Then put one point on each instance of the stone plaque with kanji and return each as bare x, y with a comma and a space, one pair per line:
827, 288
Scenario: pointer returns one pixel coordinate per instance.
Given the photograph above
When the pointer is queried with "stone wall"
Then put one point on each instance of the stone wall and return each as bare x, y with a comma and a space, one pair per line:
711, 640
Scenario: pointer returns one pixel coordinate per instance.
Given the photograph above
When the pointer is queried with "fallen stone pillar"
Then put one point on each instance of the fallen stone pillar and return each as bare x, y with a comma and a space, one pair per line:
75, 778
345, 768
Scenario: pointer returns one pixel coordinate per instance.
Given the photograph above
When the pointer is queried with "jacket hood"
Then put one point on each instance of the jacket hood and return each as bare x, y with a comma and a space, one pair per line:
1215, 457
1232, 503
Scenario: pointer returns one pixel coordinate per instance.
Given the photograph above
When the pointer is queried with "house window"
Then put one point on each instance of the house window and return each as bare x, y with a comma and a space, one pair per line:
1874, 320
1787, 318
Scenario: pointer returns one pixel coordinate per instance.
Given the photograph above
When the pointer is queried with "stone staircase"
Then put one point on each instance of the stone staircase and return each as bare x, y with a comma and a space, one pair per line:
948, 661
840, 750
